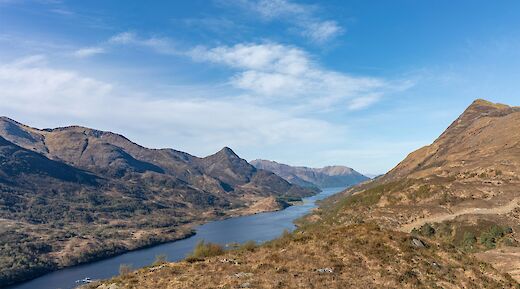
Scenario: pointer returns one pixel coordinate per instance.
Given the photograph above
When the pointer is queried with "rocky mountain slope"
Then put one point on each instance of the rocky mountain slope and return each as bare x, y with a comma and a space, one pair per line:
74, 194
463, 189
446, 217
327, 177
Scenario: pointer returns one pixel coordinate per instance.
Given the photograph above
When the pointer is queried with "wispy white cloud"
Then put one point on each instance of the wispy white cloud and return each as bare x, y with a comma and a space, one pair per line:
276, 8
201, 125
62, 11
276, 73
363, 102
303, 17
322, 31
286, 73
161, 45
88, 51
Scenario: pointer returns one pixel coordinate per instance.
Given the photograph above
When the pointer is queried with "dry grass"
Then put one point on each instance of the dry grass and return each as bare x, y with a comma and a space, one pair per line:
355, 256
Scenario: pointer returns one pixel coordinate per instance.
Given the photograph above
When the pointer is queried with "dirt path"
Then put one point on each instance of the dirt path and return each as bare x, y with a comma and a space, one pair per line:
471, 211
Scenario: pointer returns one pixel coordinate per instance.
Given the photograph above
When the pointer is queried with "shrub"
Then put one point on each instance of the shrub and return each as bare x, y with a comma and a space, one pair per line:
427, 230
160, 259
487, 240
249, 246
203, 250
423, 192
125, 269
469, 240
490, 237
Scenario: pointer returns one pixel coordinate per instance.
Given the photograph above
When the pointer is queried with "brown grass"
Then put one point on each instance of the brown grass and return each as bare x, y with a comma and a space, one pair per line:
355, 256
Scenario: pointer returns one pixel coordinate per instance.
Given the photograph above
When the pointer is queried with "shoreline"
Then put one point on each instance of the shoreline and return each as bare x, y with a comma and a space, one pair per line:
192, 232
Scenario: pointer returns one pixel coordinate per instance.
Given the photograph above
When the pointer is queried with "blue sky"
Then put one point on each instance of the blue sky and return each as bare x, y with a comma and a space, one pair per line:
315, 83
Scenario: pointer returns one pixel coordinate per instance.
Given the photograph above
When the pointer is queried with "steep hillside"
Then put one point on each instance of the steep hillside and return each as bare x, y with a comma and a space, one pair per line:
463, 189
327, 177
475, 163
74, 194
22, 166
448, 216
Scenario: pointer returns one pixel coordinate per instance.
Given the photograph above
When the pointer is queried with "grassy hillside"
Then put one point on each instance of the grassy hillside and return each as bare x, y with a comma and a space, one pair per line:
445, 217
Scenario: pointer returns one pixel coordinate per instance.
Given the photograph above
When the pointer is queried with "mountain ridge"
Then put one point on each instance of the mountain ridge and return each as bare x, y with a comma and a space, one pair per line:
110, 195
329, 176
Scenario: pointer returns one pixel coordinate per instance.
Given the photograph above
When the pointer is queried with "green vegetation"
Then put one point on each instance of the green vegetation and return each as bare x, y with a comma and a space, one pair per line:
427, 230
288, 199
204, 250
125, 269
249, 246
422, 192
160, 259
372, 195
468, 237
469, 241
490, 237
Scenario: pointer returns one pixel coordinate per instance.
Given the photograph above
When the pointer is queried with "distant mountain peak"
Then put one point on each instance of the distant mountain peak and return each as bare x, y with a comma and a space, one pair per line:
486, 103
329, 176
481, 107
228, 152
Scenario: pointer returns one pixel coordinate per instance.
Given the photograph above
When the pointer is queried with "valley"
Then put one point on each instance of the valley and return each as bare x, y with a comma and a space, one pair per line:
73, 195
259, 228
261, 144
445, 217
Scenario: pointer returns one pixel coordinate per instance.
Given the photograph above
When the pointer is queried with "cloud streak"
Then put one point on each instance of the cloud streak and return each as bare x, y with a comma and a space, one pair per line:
274, 74
282, 73
88, 51
270, 73
198, 125
161, 45
302, 17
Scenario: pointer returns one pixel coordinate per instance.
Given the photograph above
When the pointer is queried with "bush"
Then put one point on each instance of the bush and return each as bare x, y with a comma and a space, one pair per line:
469, 240
249, 246
427, 230
125, 269
203, 250
160, 259
490, 237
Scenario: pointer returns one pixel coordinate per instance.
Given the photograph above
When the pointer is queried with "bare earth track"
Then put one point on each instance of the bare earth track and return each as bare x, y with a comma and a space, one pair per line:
471, 211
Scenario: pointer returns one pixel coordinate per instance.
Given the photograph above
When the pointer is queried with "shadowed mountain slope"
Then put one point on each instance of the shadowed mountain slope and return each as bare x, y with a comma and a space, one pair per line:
19, 165
74, 194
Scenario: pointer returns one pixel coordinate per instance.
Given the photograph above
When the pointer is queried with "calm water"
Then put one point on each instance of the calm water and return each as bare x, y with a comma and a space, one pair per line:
260, 227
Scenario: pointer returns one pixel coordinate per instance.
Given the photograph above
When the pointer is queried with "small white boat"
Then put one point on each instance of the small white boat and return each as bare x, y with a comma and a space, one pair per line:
84, 280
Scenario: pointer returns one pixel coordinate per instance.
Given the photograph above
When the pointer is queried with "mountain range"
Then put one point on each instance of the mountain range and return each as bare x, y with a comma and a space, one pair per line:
75, 194
447, 216
327, 177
